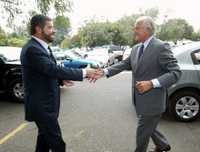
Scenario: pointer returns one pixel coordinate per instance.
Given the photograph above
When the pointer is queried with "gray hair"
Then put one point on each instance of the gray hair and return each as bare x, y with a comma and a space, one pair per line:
148, 22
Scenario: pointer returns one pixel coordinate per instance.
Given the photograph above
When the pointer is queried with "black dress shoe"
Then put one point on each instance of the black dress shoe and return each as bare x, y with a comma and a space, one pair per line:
168, 148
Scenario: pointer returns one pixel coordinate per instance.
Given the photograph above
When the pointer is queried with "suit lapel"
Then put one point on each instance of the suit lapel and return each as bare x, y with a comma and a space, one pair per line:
45, 51
135, 57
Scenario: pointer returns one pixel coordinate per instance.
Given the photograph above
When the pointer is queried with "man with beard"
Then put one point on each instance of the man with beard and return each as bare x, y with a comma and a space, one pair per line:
41, 76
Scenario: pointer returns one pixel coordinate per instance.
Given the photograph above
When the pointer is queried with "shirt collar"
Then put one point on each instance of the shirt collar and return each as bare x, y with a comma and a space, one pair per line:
146, 43
43, 43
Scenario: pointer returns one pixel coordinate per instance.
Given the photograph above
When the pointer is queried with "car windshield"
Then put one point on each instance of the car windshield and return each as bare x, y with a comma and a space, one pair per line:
9, 54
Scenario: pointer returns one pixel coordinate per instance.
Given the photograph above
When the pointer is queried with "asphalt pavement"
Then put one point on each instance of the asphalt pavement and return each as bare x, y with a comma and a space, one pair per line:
96, 117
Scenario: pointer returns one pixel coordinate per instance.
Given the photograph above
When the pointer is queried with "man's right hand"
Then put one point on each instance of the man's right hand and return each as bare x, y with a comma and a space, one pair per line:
94, 74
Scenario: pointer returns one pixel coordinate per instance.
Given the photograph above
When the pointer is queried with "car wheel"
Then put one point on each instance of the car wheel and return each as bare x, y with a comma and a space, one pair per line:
16, 90
185, 105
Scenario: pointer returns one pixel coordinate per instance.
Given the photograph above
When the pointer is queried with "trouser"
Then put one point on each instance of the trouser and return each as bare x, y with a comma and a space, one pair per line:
49, 137
147, 128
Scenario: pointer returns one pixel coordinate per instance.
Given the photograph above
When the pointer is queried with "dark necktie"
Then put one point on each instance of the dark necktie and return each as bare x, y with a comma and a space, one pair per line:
51, 54
141, 51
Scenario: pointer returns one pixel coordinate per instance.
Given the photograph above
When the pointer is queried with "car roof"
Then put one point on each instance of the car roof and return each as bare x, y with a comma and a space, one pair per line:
10, 53
187, 47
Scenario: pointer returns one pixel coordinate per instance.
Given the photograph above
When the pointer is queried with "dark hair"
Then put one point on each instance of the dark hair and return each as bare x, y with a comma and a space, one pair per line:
38, 20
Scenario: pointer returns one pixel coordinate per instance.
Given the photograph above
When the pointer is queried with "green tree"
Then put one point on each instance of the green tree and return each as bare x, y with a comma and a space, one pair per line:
75, 41
196, 35
119, 33
12, 7
16, 7
125, 25
153, 12
16, 39
175, 29
96, 34
71, 42
3, 39
66, 43
62, 26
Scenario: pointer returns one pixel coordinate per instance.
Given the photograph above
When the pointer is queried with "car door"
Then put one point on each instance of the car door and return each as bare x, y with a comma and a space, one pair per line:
2, 70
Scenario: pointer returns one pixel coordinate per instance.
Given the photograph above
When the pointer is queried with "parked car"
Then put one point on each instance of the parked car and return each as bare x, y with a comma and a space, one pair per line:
98, 54
184, 96
114, 58
10, 73
73, 61
115, 54
115, 49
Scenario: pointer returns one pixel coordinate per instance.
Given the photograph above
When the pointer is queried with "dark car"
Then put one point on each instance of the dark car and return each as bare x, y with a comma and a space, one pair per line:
10, 73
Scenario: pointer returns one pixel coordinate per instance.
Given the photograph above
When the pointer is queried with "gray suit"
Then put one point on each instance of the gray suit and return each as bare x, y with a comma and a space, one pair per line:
156, 62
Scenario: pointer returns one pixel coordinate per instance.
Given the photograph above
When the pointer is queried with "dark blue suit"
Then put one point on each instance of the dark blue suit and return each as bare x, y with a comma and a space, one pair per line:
41, 77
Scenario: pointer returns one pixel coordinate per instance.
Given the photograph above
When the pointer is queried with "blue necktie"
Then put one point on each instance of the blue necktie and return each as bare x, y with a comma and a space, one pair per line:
141, 51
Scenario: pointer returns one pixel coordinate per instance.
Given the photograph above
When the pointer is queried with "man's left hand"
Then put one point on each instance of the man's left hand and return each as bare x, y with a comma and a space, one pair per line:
144, 86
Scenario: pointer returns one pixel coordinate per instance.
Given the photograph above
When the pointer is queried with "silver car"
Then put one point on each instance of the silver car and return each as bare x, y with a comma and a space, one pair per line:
184, 96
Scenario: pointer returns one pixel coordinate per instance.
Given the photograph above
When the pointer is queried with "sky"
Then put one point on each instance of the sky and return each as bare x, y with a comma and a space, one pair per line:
115, 9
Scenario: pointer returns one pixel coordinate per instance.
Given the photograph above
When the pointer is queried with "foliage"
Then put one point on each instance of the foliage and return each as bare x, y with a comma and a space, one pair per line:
175, 29
62, 26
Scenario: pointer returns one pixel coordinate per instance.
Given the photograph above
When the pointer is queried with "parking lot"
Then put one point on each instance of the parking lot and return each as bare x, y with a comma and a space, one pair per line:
94, 118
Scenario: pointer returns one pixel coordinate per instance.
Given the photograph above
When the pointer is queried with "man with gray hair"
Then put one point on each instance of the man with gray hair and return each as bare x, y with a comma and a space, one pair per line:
154, 69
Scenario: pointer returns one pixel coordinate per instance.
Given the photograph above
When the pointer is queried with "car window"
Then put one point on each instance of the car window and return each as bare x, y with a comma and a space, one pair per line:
196, 56
2, 59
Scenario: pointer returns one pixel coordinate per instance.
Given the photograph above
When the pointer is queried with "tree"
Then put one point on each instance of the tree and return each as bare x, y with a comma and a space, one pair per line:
3, 39
125, 25
196, 36
75, 41
13, 7
96, 34
66, 43
175, 29
119, 33
153, 12
62, 25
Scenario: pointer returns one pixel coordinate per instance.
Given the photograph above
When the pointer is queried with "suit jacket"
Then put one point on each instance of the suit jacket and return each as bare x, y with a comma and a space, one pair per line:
41, 77
156, 62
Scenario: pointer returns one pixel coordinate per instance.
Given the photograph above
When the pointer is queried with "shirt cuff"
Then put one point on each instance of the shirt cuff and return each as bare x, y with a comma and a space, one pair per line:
156, 83
106, 72
84, 73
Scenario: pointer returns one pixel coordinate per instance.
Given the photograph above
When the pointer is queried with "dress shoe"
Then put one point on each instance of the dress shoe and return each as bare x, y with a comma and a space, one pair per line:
168, 148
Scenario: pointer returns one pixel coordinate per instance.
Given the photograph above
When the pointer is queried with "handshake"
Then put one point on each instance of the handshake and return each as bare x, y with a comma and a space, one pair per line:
91, 74
94, 74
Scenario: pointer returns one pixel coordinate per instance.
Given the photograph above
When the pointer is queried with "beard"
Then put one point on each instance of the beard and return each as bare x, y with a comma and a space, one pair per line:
48, 37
